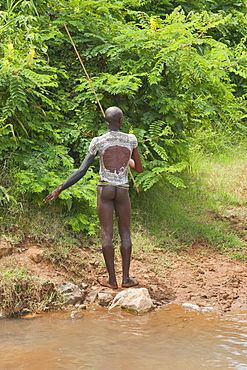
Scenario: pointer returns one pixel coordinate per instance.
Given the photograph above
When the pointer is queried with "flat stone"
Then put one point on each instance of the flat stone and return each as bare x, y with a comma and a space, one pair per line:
105, 299
207, 309
71, 292
67, 287
134, 300
92, 296
191, 306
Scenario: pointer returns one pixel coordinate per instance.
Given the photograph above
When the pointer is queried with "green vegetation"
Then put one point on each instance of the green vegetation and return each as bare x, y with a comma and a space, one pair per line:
177, 69
174, 68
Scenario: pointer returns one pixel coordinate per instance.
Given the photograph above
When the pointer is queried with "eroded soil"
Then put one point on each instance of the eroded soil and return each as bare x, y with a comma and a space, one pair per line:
197, 275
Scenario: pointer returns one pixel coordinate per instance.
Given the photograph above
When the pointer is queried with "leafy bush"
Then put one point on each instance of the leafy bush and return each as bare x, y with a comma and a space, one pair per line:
173, 72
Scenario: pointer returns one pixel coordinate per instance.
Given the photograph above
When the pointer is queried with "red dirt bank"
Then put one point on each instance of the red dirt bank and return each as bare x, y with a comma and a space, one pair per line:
195, 276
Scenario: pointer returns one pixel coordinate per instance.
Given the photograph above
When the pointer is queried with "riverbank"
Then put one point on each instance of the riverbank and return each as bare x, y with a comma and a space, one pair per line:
195, 276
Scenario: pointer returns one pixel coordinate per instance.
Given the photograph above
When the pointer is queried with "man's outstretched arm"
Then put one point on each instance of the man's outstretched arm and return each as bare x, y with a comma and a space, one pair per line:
76, 176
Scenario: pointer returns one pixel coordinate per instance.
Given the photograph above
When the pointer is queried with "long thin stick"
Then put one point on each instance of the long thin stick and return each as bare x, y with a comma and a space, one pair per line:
87, 75
132, 178
93, 89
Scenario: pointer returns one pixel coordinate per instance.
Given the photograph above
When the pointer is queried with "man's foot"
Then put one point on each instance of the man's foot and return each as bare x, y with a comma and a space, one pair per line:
106, 283
129, 282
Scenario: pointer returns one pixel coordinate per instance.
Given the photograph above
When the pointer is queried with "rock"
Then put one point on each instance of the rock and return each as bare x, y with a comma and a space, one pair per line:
207, 309
92, 296
71, 292
5, 248
82, 307
134, 300
35, 254
2, 316
84, 285
105, 299
191, 306
67, 287
76, 315
195, 307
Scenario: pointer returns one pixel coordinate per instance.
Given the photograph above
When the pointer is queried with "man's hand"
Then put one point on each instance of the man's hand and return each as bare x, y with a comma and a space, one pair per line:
135, 162
132, 163
54, 194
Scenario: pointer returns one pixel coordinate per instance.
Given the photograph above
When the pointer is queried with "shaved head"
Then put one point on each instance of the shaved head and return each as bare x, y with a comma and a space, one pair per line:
113, 115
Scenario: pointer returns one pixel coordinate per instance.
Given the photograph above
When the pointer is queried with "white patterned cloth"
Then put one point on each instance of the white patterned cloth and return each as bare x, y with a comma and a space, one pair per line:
100, 144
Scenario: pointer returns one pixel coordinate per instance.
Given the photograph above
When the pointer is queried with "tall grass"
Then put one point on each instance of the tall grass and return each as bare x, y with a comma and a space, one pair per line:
207, 211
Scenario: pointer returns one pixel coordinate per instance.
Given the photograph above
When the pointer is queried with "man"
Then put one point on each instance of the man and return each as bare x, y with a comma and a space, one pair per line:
115, 150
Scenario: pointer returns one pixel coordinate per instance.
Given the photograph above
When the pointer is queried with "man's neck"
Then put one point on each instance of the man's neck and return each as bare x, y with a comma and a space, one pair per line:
113, 127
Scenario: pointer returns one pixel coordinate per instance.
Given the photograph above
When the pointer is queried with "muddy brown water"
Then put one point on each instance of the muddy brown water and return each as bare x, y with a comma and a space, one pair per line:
170, 338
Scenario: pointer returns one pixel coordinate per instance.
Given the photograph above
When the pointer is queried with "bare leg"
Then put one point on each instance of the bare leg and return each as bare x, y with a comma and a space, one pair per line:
123, 213
105, 198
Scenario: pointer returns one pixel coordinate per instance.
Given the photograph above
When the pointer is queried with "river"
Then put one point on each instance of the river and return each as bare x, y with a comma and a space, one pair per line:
171, 339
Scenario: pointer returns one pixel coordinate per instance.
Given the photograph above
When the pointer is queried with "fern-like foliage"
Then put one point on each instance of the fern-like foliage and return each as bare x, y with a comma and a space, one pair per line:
168, 173
146, 180
159, 150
